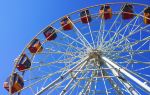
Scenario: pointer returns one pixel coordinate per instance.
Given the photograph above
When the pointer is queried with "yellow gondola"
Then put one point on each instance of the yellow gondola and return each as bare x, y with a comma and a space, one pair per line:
23, 63
66, 23
35, 46
49, 33
105, 12
14, 83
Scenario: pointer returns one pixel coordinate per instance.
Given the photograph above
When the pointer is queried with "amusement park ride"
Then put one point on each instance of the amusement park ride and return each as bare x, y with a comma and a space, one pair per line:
101, 49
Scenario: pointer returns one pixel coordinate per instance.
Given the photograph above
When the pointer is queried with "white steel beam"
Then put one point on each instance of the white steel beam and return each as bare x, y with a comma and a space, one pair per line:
125, 83
123, 71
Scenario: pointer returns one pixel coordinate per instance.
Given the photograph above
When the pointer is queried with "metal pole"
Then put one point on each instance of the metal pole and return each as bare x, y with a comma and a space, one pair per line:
140, 83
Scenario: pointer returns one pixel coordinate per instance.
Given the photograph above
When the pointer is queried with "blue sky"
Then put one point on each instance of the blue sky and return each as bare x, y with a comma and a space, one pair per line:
21, 20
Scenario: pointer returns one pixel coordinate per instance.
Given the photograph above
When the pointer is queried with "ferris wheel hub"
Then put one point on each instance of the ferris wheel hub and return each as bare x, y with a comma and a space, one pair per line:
95, 57
95, 54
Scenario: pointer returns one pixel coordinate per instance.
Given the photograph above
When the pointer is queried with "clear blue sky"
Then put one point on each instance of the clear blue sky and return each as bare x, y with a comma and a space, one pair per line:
21, 20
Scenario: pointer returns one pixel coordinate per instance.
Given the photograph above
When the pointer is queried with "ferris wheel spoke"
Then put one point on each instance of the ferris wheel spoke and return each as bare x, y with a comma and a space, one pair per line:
33, 92
132, 43
137, 62
101, 40
146, 75
124, 38
37, 67
64, 61
142, 68
80, 38
80, 35
99, 31
104, 83
68, 45
62, 46
72, 89
117, 33
109, 43
57, 85
47, 75
142, 45
90, 31
131, 33
61, 77
68, 48
71, 38
37, 77
115, 21
87, 90
138, 15
96, 81
63, 54
113, 47
134, 62
64, 90
129, 51
86, 86
136, 19
129, 61
117, 37
134, 24
127, 58
60, 52
113, 84
137, 74
134, 52
66, 52
41, 79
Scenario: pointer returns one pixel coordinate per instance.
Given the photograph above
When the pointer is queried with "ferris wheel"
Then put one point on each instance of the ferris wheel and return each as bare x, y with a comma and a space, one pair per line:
102, 49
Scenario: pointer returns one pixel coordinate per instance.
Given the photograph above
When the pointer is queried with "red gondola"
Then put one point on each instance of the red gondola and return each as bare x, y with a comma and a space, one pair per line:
35, 46
85, 16
23, 63
127, 11
49, 33
105, 12
147, 15
66, 23
14, 83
